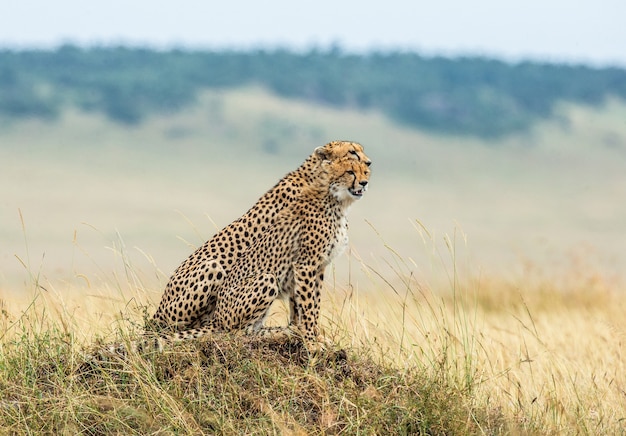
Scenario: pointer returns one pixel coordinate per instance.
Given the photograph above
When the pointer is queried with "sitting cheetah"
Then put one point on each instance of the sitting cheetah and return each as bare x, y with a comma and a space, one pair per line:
288, 260
191, 293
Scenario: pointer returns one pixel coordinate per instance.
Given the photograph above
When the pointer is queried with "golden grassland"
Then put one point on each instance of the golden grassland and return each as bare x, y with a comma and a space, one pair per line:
534, 355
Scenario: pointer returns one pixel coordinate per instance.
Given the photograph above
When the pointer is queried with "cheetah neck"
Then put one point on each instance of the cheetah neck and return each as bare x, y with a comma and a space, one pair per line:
310, 168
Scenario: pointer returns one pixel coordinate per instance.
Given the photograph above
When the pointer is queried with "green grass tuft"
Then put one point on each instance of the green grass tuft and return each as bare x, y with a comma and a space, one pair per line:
226, 385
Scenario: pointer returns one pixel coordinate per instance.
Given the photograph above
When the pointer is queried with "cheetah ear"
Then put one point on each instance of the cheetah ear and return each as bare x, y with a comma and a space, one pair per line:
322, 152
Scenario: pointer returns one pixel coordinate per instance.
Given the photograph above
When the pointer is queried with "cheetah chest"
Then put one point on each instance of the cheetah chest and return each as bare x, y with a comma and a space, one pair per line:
339, 241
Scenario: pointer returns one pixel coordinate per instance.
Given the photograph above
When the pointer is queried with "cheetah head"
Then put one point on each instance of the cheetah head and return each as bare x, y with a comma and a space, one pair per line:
348, 179
336, 150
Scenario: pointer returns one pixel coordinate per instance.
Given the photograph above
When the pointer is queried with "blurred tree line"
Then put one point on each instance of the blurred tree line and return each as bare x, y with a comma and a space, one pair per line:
466, 95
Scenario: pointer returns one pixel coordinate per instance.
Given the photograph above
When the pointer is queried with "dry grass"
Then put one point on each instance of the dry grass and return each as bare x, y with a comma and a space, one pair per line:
537, 354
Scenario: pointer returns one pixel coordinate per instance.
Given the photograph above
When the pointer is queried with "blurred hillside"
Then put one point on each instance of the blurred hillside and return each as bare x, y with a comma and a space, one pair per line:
476, 96
150, 192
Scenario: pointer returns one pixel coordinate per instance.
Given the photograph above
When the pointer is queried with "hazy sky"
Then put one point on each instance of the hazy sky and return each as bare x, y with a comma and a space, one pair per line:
556, 30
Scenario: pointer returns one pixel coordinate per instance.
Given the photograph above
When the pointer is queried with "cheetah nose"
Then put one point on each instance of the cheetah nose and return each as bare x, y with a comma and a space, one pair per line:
363, 183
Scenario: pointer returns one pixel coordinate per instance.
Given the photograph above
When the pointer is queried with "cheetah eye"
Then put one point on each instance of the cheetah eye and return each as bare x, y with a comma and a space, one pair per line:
350, 172
353, 152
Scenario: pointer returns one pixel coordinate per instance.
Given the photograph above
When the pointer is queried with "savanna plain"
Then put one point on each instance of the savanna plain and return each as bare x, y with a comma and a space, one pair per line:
483, 291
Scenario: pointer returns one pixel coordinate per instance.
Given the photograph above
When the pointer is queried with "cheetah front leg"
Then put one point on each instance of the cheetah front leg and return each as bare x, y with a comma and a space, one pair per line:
305, 304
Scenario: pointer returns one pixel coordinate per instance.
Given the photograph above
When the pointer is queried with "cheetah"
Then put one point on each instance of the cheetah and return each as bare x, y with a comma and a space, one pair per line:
288, 260
190, 295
